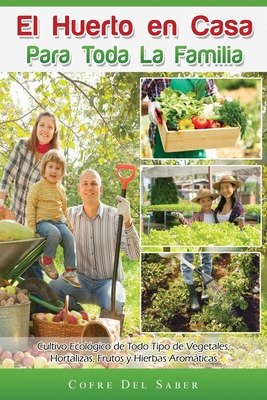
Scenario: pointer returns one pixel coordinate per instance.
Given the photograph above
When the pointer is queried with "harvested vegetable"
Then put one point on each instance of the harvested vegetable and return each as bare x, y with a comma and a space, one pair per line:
177, 106
208, 110
199, 122
7, 299
12, 230
214, 124
233, 114
186, 124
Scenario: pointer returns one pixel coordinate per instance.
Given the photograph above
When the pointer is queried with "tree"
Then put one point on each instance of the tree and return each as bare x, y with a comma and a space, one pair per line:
164, 191
99, 122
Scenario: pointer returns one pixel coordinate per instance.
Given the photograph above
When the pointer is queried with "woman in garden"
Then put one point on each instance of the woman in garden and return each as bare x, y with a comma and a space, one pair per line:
229, 209
23, 169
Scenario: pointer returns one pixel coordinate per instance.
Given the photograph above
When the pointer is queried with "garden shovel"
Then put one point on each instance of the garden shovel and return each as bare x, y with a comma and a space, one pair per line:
112, 312
207, 279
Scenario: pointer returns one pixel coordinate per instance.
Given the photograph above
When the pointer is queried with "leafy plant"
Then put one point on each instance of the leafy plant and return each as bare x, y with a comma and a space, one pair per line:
166, 297
219, 315
164, 191
177, 106
199, 234
163, 293
250, 209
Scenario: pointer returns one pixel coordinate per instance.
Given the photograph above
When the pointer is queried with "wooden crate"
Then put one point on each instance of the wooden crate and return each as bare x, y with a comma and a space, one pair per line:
197, 139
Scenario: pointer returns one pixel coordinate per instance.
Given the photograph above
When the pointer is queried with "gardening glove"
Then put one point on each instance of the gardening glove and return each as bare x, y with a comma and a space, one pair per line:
123, 208
178, 215
228, 99
241, 221
155, 113
240, 218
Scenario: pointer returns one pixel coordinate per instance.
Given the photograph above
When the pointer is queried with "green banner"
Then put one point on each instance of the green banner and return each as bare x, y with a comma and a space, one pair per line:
122, 3
133, 384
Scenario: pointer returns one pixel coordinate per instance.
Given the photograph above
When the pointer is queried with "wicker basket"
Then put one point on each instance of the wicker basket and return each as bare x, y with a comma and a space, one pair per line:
196, 139
57, 329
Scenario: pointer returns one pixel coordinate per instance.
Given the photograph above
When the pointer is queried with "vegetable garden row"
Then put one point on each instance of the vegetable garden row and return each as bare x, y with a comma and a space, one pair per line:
200, 234
165, 299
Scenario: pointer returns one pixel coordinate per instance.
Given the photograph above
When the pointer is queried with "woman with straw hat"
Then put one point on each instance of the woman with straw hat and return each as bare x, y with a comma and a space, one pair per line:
229, 209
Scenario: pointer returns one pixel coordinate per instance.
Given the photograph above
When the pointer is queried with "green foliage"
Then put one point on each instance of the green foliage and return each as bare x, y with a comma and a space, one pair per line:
250, 209
234, 84
177, 106
199, 234
264, 317
164, 191
219, 314
248, 263
131, 285
233, 114
165, 293
165, 296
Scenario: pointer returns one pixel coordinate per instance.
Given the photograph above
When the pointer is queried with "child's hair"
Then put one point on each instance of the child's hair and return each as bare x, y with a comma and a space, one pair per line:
32, 141
223, 200
54, 156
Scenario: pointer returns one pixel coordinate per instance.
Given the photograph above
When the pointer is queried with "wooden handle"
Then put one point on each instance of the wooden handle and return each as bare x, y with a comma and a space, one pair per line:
66, 308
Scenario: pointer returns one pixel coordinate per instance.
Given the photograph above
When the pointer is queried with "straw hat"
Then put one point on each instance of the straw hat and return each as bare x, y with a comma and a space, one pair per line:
204, 193
224, 179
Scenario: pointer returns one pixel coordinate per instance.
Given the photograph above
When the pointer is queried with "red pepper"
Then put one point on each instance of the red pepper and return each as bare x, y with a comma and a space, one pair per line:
4, 282
214, 124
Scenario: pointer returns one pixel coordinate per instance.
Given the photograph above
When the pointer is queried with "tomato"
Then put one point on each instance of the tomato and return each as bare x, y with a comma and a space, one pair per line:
199, 122
214, 124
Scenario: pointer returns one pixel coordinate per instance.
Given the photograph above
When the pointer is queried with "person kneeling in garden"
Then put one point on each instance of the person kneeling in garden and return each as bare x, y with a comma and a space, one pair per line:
206, 214
95, 229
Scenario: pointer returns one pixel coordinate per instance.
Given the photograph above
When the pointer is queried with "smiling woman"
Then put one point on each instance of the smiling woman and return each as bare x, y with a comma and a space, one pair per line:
229, 209
23, 167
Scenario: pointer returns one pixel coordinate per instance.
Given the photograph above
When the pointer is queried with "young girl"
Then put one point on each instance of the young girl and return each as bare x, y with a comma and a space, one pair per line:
206, 214
229, 209
47, 215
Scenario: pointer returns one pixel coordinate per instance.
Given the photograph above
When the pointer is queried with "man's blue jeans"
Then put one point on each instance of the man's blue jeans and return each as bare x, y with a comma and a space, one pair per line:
96, 292
35, 271
58, 233
206, 266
